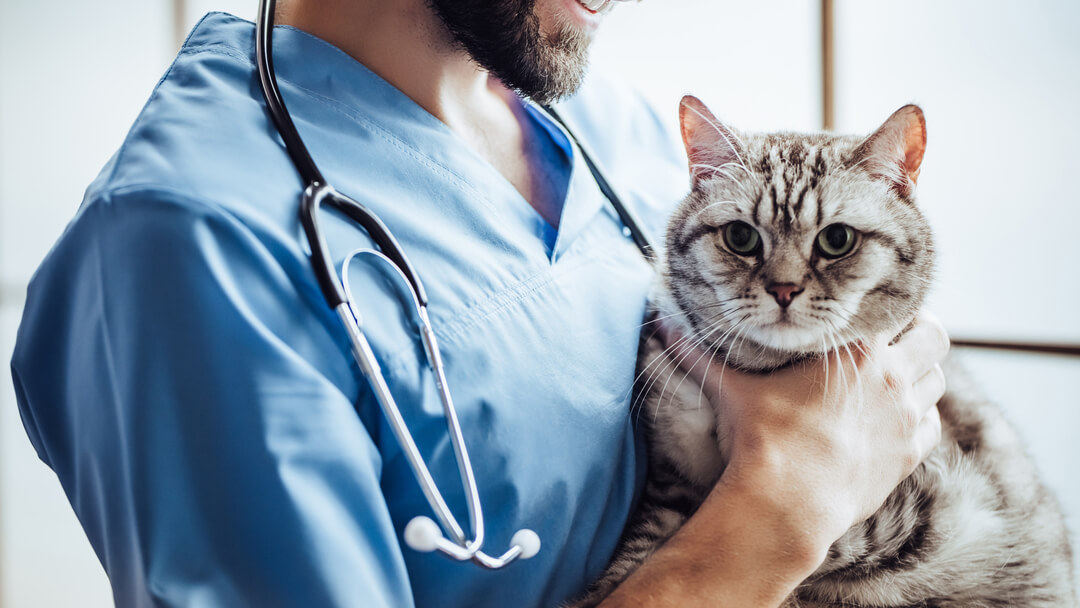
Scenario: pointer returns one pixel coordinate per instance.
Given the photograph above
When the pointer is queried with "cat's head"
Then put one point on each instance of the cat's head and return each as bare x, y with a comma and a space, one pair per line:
791, 245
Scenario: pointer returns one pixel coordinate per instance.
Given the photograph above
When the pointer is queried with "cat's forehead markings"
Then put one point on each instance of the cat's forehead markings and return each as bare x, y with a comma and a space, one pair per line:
789, 170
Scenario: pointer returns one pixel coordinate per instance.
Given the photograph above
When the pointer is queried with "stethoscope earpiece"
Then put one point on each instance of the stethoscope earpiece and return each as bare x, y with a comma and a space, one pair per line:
424, 535
529, 542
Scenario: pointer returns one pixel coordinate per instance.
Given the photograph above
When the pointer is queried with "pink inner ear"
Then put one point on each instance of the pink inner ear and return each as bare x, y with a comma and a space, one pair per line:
895, 150
709, 144
914, 145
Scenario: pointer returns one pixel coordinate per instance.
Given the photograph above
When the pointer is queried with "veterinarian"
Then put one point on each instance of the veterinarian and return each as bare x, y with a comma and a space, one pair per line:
179, 369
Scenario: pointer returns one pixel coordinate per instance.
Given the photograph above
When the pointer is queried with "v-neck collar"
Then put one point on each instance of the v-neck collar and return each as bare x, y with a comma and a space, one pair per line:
323, 71
582, 198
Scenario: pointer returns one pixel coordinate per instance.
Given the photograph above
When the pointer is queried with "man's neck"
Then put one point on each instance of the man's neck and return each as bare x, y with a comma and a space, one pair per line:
406, 44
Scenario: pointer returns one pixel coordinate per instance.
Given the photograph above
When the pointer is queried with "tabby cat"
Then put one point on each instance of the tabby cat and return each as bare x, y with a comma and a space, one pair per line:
790, 246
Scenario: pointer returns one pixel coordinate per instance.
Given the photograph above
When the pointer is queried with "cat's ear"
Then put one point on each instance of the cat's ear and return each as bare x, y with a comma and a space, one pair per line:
895, 151
709, 144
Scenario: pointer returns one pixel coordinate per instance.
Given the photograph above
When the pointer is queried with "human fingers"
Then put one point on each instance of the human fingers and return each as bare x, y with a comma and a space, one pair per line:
927, 434
930, 388
921, 348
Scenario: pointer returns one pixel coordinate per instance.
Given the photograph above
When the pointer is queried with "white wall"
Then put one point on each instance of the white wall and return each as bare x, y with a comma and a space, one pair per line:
195, 9
755, 64
1000, 85
997, 86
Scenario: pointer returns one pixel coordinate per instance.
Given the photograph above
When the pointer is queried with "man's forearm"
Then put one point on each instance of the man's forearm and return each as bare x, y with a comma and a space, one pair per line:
740, 549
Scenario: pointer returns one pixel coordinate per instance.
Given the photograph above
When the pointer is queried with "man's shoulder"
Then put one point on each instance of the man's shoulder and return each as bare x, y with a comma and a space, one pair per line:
200, 123
203, 144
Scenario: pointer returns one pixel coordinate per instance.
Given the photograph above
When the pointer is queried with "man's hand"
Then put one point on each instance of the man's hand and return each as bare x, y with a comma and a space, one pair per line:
833, 435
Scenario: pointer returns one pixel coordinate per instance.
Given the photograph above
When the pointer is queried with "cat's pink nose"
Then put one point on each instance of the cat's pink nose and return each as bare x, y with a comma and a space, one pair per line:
784, 292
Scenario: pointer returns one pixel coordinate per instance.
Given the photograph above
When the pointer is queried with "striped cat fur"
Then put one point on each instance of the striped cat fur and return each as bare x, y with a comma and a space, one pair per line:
973, 527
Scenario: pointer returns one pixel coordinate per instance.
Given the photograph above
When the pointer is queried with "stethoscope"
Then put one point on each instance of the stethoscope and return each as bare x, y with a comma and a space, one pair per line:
422, 533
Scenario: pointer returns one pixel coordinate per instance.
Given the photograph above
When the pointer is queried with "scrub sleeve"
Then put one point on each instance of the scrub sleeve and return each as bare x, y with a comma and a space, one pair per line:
243, 472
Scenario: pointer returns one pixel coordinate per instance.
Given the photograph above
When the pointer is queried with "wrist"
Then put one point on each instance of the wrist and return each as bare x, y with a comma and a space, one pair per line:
743, 547
794, 528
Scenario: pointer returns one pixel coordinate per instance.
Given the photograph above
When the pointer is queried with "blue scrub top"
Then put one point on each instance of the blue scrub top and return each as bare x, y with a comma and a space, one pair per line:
180, 371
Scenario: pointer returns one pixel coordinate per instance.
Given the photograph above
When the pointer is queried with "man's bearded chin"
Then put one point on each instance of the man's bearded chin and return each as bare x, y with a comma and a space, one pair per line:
504, 38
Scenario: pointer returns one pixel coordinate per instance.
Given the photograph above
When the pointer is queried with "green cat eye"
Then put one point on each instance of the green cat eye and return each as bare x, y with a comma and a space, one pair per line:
741, 238
836, 241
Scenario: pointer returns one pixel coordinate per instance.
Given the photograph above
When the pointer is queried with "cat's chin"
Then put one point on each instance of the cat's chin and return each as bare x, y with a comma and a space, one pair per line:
788, 337
774, 346
750, 356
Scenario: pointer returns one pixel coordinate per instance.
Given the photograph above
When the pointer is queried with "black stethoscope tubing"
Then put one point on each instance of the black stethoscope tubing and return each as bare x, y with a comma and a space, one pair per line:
317, 190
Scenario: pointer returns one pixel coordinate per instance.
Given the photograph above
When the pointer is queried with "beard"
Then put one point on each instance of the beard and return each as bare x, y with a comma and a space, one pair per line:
504, 38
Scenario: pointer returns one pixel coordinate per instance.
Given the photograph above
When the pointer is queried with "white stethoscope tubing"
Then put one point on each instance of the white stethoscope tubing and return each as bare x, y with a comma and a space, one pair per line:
463, 549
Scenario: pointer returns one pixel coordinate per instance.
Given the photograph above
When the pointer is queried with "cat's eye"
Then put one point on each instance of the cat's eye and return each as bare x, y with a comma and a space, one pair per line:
836, 241
741, 238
